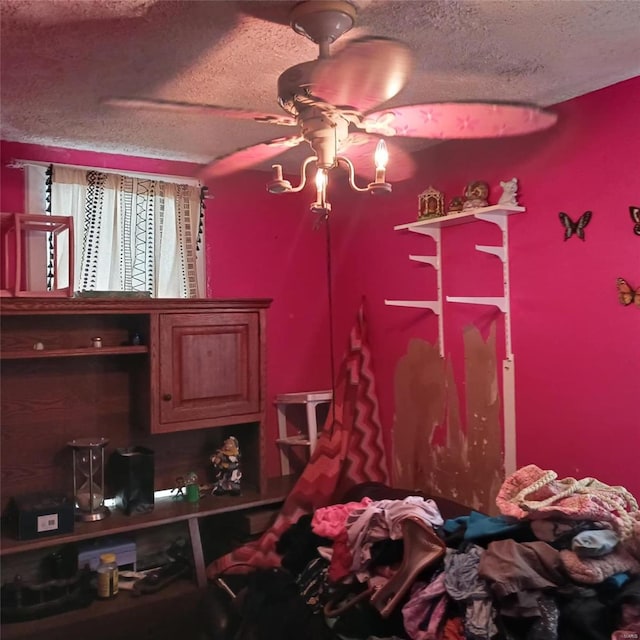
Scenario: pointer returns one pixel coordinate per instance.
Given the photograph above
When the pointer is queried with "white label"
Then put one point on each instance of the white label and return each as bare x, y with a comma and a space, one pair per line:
48, 523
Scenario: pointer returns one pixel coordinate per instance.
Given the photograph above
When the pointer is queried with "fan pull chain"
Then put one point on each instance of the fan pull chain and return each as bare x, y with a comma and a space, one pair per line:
331, 339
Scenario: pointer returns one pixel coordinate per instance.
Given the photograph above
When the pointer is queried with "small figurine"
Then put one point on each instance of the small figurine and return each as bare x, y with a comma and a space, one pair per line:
430, 204
193, 490
226, 464
456, 204
179, 488
476, 195
189, 484
509, 192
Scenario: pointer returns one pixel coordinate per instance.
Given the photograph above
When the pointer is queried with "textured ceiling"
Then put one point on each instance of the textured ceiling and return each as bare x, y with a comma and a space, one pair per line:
60, 58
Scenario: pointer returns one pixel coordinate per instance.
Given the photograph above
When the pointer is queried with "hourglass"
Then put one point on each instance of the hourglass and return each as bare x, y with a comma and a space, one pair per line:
88, 478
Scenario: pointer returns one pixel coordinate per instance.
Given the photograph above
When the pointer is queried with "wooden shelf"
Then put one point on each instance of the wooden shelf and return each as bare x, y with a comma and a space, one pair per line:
31, 354
177, 597
130, 306
151, 395
166, 511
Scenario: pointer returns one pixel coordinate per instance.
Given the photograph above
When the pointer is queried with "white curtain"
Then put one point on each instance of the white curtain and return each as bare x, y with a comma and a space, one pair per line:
131, 234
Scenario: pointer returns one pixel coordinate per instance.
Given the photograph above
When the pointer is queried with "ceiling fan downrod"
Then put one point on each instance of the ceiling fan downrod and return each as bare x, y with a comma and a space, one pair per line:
323, 22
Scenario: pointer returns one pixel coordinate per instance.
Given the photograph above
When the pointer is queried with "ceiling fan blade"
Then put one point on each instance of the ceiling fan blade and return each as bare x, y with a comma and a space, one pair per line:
247, 157
363, 75
458, 120
194, 107
360, 149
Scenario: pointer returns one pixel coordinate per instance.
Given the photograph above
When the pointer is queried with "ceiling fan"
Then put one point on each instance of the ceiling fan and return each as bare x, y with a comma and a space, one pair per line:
334, 103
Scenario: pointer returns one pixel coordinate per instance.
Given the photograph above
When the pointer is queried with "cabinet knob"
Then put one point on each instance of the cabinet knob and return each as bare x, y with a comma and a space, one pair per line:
167, 397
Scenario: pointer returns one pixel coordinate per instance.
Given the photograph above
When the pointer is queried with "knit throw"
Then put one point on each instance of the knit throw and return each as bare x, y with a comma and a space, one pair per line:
531, 493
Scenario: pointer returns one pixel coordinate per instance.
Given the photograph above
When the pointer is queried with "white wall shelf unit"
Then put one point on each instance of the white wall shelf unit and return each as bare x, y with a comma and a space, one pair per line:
496, 214
311, 401
464, 217
435, 306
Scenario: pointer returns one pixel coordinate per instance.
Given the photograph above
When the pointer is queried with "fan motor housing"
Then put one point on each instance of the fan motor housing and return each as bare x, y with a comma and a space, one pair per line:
294, 84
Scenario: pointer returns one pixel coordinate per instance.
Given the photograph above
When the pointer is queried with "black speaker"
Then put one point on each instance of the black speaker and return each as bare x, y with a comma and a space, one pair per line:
131, 475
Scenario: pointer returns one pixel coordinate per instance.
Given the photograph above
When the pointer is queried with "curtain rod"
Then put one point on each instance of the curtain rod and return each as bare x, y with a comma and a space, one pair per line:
20, 164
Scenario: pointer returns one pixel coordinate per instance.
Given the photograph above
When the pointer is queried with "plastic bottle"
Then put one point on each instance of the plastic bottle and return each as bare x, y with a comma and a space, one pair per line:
107, 576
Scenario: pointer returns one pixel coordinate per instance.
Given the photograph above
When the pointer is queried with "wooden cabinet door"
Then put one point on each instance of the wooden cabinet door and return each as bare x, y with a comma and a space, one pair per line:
209, 370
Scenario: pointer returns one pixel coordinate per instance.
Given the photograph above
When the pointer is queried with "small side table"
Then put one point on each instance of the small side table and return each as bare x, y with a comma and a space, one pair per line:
311, 400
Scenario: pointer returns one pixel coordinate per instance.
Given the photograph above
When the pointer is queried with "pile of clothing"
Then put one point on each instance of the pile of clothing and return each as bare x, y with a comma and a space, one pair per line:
562, 561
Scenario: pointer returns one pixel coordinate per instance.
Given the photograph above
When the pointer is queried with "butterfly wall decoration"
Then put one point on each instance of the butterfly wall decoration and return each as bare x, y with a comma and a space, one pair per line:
575, 228
635, 216
627, 295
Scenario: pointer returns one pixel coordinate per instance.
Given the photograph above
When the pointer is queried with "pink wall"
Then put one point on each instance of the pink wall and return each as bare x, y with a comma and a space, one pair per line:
262, 245
576, 348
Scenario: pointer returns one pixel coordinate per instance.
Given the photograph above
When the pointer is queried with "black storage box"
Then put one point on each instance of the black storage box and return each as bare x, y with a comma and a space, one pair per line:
42, 514
131, 476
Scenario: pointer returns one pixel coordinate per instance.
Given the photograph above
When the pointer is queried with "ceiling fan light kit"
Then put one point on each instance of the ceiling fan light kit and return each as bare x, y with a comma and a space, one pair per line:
335, 102
321, 206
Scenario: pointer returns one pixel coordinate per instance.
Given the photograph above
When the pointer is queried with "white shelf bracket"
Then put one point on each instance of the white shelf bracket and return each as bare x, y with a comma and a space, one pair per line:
502, 252
432, 260
490, 301
496, 218
432, 232
496, 251
433, 305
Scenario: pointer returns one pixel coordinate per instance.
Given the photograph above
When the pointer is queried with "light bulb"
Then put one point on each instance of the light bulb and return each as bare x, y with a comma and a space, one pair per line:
321, 180
381, 156
321, 205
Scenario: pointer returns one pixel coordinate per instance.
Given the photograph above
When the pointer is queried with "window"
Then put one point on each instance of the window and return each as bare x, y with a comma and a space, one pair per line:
131, 232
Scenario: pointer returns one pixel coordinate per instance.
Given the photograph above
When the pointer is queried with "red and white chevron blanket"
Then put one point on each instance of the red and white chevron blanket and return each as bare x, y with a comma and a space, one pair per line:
349, 451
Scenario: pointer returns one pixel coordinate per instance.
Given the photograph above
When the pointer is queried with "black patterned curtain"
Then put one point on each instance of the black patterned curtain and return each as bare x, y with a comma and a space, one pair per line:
51, 262
131, 233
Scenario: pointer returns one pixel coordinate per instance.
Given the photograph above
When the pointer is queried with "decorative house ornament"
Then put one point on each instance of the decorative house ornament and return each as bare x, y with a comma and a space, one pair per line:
456, 204
574, 228
38, 255
627, 295
509, 192
430, 204
634, 212
476, 195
